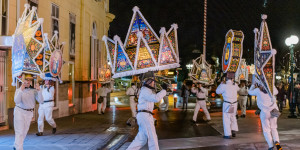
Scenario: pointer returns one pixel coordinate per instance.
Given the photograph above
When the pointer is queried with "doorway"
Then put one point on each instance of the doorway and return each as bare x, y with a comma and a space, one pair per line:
2, 86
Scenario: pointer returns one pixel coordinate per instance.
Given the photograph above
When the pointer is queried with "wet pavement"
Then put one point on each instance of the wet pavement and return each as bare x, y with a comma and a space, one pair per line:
90, 131
177, 124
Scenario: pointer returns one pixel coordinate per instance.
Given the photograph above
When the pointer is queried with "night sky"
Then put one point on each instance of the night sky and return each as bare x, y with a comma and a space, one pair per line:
283, 20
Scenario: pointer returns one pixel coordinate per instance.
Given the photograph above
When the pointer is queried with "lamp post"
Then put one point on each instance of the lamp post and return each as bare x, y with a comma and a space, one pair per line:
189, 67
291, 42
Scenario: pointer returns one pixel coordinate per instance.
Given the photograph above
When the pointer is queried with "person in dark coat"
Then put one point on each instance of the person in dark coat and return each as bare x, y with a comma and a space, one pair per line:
280, 96
297, 97
185, 92
292, 101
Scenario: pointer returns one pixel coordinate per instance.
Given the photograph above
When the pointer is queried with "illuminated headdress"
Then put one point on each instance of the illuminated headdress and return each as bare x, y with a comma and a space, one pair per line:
201, 71
264, 57
232, 52
143, 50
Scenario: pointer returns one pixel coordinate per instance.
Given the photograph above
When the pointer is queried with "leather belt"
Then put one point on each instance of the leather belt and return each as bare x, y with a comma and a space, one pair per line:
200, 99
243, 95
32, 109
230, 102
48, 101
146, 111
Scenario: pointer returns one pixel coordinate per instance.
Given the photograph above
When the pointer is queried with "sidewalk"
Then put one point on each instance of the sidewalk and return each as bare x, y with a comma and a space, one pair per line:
249, 137
87, 131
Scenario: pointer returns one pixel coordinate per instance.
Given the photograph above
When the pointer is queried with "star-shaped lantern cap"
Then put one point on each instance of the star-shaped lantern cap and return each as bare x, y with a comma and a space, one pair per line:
28, 44
31, 51
143, 50
53, 58
264, 57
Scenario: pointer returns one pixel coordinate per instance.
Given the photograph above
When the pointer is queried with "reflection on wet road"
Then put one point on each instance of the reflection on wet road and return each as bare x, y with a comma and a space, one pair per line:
177, 124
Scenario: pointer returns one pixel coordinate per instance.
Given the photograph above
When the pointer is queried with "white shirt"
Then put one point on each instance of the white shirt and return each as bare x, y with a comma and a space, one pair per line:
102, 91
228, 91
26, 98
131, 91
243, 91
200, 94
148, 97
264, 101
48, 95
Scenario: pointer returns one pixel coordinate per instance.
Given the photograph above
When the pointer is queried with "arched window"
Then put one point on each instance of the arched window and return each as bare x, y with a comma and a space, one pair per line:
95, 52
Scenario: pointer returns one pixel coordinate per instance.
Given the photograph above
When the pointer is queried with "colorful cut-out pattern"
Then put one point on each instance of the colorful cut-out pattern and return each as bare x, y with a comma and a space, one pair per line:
55, 63
167, 56
131, 52
265, 41
171, 37
204, 76
155, 50
144, 58
18, 50
33, 47
122, 62
29, 65
111, 48
38, 34
140, 25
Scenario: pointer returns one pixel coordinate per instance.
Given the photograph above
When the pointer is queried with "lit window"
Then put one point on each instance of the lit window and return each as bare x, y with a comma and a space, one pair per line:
72, 36
55, 19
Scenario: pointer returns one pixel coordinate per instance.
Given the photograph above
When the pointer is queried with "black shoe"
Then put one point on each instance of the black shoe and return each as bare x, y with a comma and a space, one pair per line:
53, 130
14, 148
102, 112
243, 116
227, 137
271, 148
39, 134
193, 121
277, 144
233, 133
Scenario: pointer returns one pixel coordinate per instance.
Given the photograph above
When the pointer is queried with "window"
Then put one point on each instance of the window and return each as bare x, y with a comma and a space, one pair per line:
34, 3
72, 36
55, 18
4, 16
95, 46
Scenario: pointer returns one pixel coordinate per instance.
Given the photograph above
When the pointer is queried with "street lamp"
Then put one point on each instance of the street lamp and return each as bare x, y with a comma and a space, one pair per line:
189, 66
291, 42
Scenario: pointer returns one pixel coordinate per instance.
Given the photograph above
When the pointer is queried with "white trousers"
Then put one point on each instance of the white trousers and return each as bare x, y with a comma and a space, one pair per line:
269, 125
45, 112
243, 103
132, 106
166, 102
229, 119
22, 119
102, 106
146, 133
201, 104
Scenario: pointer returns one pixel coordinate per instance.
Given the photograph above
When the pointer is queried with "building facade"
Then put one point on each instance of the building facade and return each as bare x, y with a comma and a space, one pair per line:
81, 25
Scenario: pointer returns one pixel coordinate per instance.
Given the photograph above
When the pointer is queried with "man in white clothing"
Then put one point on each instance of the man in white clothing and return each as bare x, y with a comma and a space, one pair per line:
144, 117
46, 108
267, 104
132, 92
229, 93
25, 97
201, 94
243, 95
102, 94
